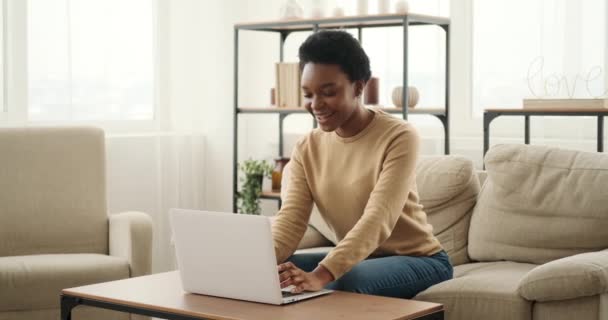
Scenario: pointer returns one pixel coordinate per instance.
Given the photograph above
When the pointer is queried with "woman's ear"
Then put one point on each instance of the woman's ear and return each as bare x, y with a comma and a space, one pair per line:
359, 85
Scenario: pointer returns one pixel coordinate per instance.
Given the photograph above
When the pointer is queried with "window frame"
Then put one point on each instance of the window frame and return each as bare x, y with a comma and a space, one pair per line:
16, 81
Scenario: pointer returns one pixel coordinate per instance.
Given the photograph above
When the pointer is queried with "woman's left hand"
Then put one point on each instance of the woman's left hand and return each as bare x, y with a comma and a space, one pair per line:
316, 280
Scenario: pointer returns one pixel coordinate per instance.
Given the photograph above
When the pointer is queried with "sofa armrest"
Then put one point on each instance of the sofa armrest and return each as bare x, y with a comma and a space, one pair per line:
572, 277
131, 238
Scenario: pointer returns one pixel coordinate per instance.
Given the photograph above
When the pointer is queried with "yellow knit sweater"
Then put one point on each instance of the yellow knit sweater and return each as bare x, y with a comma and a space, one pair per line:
365, 189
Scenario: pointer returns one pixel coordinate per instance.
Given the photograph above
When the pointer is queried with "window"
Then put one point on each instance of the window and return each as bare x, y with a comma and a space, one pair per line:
537, 48
90, 60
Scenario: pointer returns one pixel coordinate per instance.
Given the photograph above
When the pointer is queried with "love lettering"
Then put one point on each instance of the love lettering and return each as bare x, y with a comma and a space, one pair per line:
551, 85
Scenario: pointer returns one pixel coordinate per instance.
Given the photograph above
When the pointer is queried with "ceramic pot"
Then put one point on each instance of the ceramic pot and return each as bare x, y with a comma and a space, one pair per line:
291, 10
362, 7
402, 7
413, 97
338, 12
384, 6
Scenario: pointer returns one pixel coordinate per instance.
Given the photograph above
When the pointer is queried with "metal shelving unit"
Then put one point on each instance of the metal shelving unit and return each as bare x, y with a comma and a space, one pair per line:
286, 27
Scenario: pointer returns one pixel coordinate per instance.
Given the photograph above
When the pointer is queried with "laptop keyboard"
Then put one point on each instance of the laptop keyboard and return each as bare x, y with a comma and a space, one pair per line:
287, 294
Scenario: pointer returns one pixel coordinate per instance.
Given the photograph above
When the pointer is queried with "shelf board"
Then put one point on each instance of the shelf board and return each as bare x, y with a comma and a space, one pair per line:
417, 110
553, 110
270, 195
377, 20
272, 110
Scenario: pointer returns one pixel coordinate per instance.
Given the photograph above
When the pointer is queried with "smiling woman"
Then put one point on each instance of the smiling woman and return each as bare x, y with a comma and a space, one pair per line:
333, 82
358, 168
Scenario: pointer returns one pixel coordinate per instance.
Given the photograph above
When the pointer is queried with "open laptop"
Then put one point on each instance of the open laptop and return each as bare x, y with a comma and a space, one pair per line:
230, 256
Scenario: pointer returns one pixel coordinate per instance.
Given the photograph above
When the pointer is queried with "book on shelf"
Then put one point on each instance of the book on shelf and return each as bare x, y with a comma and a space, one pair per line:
566, 103
288, 92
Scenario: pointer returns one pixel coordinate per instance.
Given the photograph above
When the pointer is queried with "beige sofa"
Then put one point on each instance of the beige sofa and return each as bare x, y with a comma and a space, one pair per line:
55, 232
530, 244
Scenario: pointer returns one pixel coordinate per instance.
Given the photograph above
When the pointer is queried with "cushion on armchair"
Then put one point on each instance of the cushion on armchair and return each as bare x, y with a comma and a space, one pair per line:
540, 204
52, 191
35, 282
573, 277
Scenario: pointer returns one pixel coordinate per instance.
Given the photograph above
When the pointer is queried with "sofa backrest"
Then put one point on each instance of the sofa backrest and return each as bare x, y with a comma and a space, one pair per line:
447, 188
540, 204
52, 191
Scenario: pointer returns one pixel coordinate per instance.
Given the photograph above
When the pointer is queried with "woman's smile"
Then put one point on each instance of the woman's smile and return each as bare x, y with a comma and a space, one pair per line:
324, 117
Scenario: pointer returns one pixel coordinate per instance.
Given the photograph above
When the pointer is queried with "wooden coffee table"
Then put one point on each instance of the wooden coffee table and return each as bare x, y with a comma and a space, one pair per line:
161, 296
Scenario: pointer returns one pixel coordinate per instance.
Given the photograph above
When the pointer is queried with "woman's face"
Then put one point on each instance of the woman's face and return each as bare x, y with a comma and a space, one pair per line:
329, 95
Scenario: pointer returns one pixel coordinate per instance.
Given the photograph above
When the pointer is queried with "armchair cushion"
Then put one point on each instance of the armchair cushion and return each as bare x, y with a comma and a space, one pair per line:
52, 191
573, 277
35, 282
131, 239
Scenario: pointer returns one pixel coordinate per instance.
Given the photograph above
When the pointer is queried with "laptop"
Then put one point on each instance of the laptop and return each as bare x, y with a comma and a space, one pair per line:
230, 256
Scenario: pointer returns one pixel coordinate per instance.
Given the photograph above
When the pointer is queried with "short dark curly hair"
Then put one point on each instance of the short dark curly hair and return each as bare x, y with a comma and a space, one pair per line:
336, 47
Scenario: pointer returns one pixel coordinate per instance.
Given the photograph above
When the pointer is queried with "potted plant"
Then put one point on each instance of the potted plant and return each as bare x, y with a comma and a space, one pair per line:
254, 172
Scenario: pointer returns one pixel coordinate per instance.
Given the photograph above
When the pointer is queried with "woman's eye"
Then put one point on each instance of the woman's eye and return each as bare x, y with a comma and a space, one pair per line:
329, 94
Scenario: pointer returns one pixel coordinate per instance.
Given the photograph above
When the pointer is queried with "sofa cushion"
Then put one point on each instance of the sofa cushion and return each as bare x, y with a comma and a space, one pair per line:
540, 204
52, 191
572, 277
35, 282
448, 187
581, 308
482, 291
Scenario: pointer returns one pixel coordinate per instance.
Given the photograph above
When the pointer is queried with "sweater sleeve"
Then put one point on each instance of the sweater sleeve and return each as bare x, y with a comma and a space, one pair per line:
292, 220
385, 205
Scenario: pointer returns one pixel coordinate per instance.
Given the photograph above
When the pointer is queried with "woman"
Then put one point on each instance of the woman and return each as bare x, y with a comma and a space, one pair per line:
358, 168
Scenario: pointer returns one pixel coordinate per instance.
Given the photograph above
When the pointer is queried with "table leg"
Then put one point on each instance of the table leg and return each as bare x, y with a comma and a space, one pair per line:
433, 316
600, 133
486, 133
527, 130
67, 304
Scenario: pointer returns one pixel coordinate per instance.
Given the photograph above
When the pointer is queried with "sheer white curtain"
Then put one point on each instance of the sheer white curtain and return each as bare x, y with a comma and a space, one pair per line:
90, 60
2, 59
537, 48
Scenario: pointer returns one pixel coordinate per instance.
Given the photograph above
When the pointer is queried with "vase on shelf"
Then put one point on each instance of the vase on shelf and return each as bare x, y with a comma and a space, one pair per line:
362, 7
384, 6
371, 91
277, 173
412, 96
291, 10
317, 10
338, 12
402, 7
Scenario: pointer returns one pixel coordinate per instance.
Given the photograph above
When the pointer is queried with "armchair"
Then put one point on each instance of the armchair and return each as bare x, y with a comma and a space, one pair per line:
55, 232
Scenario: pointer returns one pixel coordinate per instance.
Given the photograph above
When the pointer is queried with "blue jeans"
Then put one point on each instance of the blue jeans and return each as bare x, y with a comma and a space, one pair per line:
392, 276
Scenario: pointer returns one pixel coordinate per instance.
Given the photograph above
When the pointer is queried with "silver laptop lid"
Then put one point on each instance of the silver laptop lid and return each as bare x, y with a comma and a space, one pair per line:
226, 255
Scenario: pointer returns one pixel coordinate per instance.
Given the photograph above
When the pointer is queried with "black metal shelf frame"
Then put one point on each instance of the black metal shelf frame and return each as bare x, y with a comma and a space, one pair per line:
490, 115
285, 28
